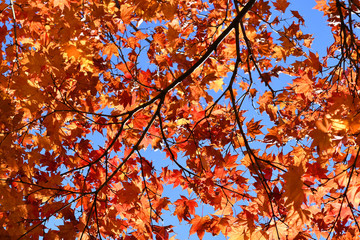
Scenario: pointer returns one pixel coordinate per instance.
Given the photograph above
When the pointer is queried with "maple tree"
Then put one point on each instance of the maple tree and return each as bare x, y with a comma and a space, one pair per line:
181, 77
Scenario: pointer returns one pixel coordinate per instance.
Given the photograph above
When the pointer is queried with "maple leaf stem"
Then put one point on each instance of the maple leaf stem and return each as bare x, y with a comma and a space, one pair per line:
84, 90
251, 55
187, 73
40, 186
52, 214
89, 216
247, 146
344, 196
15, 33
151, 210
136, 146
97, 222
112, 143
172, 156
199, 62
352, 212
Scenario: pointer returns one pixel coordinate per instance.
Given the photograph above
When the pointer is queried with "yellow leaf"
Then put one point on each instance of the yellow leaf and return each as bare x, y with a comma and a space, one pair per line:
339, 124
216, 85
182, 121
279, 53
308, 42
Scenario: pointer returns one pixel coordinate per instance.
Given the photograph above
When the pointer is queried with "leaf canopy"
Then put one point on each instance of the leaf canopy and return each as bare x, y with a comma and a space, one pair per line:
253, 121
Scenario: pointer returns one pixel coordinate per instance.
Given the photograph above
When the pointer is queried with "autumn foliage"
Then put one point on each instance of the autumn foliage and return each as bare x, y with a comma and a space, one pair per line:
254, 123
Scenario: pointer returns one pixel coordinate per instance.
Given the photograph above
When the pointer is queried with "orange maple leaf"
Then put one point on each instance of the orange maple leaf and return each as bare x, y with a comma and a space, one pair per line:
199, 225
253, 128
61, 4
184, 207
293, 186
321, 5
281, 5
